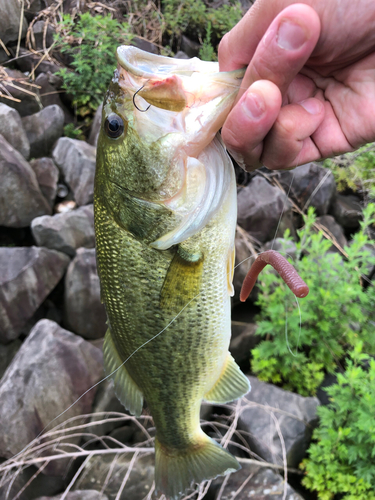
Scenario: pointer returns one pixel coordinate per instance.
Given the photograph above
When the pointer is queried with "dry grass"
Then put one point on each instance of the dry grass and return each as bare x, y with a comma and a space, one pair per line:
54, 445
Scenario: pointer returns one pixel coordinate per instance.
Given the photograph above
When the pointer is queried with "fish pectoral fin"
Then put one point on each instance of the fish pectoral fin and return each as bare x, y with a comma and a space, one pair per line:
183, 279
232, 384
126, 389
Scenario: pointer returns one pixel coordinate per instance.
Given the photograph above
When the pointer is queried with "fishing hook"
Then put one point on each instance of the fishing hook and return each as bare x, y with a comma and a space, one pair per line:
141, 110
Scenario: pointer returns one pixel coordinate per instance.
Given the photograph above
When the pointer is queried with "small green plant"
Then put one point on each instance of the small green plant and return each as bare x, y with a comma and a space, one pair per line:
355, 170
90, 42
341, 461
193, 17
337, 312
73, 132
207, 52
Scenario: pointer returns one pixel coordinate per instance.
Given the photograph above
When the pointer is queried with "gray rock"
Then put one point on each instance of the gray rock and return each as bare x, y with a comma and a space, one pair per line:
66, 231
347, 211
33, 62
49, 373
7, 353
287, 248
27, 276
33, 7
181, 55
37, 484
84, 313
145, 45
76, 160
334, 230
47, 175
296, 418
190, 47
243, 339
20, 197
43, 129
95, 126
106, 401
3, 56
12, 130
10, 16
28, 103
138, 485
42, 31
310, 185
262, 483
48, 92
260, 207
78, 495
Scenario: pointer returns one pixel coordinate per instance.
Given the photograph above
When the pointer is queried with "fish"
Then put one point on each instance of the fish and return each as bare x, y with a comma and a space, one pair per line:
165, 207
165, 218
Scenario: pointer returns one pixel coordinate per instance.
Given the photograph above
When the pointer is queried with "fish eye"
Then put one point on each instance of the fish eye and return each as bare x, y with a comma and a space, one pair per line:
114, 126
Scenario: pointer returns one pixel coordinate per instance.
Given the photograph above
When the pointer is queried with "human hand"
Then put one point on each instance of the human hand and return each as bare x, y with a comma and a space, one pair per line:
309, 89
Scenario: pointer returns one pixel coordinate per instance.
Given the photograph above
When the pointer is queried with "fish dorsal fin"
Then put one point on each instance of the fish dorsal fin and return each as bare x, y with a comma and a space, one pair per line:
207, 182
232, 384
126, 389
183, 279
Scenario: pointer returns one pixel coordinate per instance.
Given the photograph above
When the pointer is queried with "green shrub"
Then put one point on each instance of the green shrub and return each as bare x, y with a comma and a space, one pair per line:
337, 312
355, 170
342, 460
207, 52
90, 42
193, 17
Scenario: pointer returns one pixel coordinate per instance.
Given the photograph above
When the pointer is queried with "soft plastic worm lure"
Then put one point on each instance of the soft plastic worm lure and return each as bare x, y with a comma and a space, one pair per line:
282, 266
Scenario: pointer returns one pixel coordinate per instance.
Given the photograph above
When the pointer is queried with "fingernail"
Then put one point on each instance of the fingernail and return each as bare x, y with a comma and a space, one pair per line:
312, 106
290, 36
253, 105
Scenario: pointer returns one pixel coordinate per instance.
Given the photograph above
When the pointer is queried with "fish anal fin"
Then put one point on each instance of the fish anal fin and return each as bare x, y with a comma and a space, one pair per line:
183, 279
232, 384
177, 470
126, 389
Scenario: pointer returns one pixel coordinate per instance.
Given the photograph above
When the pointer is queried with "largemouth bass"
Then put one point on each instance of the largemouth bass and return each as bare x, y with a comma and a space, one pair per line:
165, 216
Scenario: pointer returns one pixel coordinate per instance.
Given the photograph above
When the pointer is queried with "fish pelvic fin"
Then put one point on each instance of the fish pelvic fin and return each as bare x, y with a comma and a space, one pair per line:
232, 384
177, 471
126, 389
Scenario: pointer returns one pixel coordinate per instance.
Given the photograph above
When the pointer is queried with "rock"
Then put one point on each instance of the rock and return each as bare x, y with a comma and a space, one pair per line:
41, 30
260, 207
296, 416
38, 484
10, 16
145, 45
95, 126
65, 231
334, 230
181, 55
7, 353
106, 401
76, 160
85, 314
262, 483
12, 130
43, 129
78, 495
20, 197
33, 7
138, 485
28, 103
48, 92
287, 248
47, 175
4, 57
49, 373
243, 339
32, 62
190, 47
310, 185
347, 211
27, 276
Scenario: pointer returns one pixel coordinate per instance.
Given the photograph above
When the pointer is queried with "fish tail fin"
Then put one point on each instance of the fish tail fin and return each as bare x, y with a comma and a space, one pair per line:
176, 470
